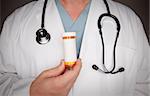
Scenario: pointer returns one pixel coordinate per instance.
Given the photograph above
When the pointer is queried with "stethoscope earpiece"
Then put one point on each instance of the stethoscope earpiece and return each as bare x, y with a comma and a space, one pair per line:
121, 69
42, 36
95, 67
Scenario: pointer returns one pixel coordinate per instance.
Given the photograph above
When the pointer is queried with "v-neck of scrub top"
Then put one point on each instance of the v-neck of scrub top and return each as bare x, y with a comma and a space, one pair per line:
77, 26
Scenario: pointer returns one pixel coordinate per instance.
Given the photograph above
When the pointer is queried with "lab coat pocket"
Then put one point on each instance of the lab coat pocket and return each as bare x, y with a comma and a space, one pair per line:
125, 58
122, 82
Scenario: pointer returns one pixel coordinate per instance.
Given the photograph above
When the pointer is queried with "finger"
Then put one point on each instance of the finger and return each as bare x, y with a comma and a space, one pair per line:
77, 66
77, 69
53, 72
71, 75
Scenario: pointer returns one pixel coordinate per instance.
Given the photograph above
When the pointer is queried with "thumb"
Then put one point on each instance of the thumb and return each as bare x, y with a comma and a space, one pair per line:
53, 72
71, 75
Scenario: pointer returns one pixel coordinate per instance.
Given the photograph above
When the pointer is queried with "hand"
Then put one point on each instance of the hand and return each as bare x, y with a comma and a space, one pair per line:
56, 81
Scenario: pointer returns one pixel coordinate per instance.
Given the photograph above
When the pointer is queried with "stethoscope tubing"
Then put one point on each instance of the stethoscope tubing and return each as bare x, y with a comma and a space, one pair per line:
105, 70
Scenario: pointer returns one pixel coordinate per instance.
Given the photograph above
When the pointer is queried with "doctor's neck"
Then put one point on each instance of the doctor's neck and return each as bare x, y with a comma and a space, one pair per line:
74, 1
74, 7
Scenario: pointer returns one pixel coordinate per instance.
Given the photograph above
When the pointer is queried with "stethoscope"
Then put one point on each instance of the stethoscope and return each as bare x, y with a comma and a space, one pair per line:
43, 37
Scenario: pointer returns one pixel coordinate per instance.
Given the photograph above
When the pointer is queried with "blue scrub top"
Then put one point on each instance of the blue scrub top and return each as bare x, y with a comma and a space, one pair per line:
77, 26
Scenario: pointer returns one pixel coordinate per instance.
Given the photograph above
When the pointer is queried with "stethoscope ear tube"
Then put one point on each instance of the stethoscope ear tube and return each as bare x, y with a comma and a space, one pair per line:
111, 16
105, 70
95, 67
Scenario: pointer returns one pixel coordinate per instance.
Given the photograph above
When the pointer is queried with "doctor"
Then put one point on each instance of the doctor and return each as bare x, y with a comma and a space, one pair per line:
27, 67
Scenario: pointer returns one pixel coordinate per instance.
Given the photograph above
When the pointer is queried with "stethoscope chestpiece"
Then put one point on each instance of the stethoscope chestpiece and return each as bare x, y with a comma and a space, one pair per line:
42, 36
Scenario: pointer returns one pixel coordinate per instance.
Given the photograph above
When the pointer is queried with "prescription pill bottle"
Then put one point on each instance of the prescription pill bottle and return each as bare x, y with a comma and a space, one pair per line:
70, 52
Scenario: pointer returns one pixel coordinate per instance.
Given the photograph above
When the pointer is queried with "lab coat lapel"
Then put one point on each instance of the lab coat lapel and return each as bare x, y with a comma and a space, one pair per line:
91, 43
91, 54
54, 26
53, 21
90, 81
52, 52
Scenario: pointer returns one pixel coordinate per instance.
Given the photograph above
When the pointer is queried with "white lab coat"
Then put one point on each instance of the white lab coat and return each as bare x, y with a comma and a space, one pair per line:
22, 58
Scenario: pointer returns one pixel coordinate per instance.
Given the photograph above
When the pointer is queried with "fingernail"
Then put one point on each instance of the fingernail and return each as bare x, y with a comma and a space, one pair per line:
74, 64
